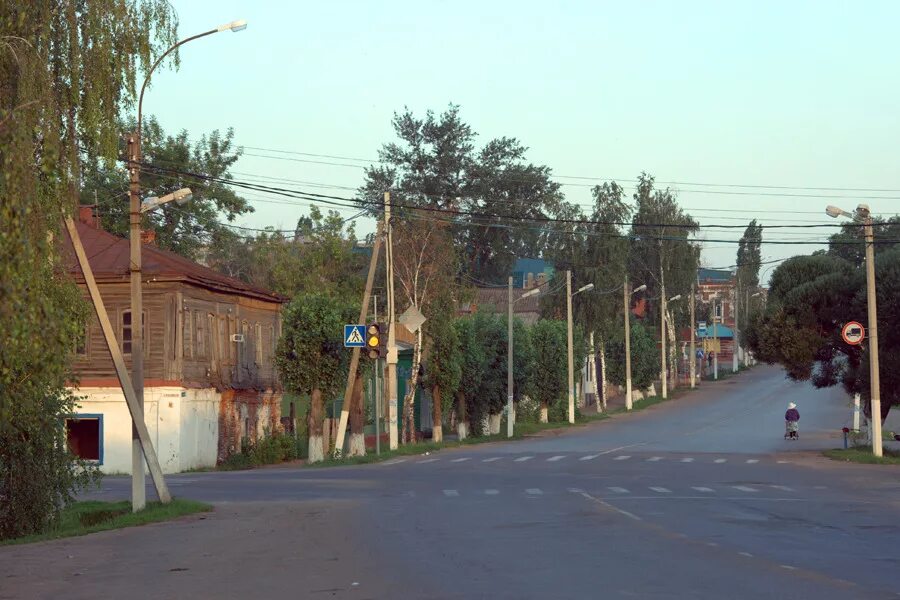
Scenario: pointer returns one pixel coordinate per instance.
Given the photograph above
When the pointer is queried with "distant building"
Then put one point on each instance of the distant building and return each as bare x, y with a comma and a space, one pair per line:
528, 273
209, 349
717, 287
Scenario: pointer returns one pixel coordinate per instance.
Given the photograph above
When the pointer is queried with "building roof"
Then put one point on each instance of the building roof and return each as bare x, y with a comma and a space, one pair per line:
109, 257
496, 299
714, 275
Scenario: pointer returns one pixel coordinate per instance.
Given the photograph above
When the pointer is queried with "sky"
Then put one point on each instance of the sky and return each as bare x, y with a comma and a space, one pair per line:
705, 96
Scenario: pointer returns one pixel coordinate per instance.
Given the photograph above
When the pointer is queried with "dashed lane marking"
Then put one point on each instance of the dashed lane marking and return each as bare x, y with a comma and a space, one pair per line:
463, 459
618, 490
556, 458
687, 459
396, 461
747, 554
661, 490
705, 490
721, 460
491, 492
623, 457
428, 460
745, 488
451, 493
575, 490
492, 459
534, 491
523, 458
654, 458
789, 567
589, 457
783, 487
752, 461
611, 450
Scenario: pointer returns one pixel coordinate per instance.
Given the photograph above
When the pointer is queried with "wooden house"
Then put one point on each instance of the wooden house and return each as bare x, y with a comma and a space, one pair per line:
210, 381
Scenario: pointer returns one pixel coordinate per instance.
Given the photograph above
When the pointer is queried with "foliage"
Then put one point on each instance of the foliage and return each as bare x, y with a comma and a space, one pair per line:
472, 366
549, 380
168, 159
270, 449
849, 244
434, 163
749, 257
810, 298
644, 357
66, 69
311, 352
444, 367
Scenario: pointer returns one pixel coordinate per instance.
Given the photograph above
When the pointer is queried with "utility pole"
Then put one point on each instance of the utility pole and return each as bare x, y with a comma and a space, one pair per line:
692, 361
737, 343
392, 339
874, 377
138, 482
509, 364
569, 343
715, 347
376, 389
627, 300
662, 326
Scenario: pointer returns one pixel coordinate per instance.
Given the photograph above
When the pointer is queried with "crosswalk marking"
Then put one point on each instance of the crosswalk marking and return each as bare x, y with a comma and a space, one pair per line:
751, 461
575, 490
744, 488
618, 490
721, 460
623, 457
661, 490
491, 492
589, 457
523, 458
688, 459
783, 487
555, 458
428, 460
492, 459
705, 490
534, 491
396, 461
458, 460
654, 458
451, 493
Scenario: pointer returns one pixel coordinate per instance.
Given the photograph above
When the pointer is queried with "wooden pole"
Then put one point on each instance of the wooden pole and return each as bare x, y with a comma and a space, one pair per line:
137, 413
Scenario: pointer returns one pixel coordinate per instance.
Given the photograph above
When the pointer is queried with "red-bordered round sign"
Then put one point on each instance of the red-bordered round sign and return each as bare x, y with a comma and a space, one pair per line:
853, 333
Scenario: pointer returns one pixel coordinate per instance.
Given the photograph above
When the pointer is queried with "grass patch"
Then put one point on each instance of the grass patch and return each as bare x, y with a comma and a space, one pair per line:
862, 454
92, 516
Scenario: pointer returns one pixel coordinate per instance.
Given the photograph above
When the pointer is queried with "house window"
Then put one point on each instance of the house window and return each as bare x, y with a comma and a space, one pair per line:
201, 335
259, 344
188, 334
718, 310
127, 331
211, 331
272, 341
84, 435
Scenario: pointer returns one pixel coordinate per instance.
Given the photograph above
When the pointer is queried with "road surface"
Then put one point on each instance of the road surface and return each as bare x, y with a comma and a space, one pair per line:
696, 498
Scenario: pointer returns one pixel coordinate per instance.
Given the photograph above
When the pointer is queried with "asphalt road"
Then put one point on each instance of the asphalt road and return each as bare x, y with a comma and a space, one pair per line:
700, 497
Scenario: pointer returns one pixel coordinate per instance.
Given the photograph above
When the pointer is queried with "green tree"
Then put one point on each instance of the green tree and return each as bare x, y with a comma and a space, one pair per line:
847, 243
444, 367
548, 383
171, 163
66, 69
472, 369
311, 357
644, 357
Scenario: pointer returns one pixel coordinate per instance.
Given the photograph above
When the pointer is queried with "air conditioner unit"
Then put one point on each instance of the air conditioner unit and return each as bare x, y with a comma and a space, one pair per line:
237, 337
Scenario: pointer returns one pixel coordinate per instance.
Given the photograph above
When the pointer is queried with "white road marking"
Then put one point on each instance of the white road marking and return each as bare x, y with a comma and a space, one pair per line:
622, 448
491, 492
654, 458
464, 459
789, 567
396, 461
451, 493
713, 544
661, 490
534, 491
747, 554
610, 506
555, 458
589, 457
618, 490
721, 460
624, 457
523, 458
783, 487
428, 460
751, 461
783, 462
705, 490
575, 490
745, 488
688, 459
492, 459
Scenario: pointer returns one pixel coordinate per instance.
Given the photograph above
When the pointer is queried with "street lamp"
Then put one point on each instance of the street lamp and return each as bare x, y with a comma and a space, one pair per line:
510, 417
864, 217
628, 295
138, 495
569, 343
180, 197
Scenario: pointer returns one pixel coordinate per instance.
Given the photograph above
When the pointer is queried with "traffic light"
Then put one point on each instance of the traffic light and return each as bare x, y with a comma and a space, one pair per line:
376, 340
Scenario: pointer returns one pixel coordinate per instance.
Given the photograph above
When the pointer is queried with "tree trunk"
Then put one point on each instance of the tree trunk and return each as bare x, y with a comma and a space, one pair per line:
409, 422
603, 394
462, 424
544, 411
495, 424
314, 426
357, 419
437, 430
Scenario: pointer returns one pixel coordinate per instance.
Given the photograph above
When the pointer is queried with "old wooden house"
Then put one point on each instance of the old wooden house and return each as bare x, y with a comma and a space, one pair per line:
209, 347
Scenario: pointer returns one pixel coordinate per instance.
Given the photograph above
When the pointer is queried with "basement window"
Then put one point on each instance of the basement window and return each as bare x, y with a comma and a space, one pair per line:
84, 435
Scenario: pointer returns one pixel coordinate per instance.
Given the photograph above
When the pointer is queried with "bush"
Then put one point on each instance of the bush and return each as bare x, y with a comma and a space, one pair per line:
268, 450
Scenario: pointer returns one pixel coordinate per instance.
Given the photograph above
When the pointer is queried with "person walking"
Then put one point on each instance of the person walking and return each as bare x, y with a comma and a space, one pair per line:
791, 422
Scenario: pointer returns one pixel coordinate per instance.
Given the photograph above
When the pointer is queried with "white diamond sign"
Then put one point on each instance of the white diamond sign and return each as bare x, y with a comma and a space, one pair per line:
412, 319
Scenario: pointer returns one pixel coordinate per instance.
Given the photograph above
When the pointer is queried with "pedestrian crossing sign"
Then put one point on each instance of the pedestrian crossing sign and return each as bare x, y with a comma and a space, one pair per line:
354, 336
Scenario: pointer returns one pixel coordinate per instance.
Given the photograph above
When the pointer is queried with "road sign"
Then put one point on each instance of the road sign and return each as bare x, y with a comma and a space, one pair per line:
412, 319
701, 327
355, 336
853, 333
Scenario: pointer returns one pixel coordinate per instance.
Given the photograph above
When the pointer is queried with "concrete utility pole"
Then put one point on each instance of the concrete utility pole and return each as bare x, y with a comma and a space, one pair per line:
692, 361
715, 346
509, 364
569, 344
863, 212
737, 343
662, 328
627, 300
392, 339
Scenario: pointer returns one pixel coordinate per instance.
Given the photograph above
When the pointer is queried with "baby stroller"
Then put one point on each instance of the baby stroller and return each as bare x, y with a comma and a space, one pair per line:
791, 430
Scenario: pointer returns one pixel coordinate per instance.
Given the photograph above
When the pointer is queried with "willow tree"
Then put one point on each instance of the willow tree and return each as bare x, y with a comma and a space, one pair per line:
67, 70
